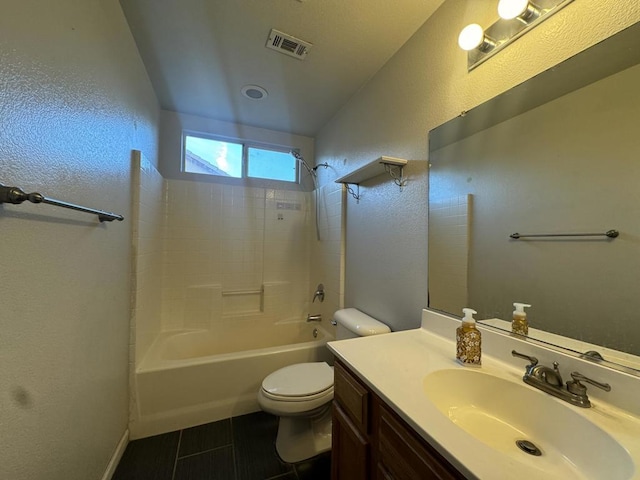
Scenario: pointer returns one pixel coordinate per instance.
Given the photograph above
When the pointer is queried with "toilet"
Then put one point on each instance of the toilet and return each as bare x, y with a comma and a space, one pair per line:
301, 394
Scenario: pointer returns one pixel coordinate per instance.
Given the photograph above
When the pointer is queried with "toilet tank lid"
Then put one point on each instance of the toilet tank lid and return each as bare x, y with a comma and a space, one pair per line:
359, 322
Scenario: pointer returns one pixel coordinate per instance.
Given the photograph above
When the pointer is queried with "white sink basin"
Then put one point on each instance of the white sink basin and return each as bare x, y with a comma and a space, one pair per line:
499, 412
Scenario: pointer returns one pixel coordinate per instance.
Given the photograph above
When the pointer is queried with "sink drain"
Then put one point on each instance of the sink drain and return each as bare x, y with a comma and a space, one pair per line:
527, 447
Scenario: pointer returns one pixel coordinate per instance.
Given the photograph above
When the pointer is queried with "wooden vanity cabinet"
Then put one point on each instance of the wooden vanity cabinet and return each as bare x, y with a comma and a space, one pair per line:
370, 441
351, 448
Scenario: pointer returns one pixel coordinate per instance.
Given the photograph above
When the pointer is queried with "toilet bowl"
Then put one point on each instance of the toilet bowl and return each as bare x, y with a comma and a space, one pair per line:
301, 394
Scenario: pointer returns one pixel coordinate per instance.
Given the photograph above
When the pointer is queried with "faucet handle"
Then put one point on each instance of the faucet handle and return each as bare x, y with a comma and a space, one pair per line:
319, 293
532, 360
575, 386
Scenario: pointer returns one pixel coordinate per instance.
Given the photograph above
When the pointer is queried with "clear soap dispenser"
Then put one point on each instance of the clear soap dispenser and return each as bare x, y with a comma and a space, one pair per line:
468, 340
520, 324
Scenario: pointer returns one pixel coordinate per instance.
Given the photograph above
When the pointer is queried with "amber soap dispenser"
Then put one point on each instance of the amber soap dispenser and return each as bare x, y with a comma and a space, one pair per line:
468, 340
520, 324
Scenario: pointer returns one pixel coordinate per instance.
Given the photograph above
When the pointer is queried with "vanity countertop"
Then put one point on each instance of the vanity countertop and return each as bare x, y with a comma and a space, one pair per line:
395, 365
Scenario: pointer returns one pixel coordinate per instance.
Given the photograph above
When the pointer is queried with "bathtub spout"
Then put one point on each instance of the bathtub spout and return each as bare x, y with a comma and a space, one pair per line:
314, 318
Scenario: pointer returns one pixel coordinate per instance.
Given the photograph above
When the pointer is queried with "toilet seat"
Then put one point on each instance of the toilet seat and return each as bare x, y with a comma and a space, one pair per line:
299, 398
299, 382
295, 406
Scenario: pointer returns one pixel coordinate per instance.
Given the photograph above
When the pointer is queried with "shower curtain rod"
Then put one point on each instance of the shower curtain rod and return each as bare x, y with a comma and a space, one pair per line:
16, 196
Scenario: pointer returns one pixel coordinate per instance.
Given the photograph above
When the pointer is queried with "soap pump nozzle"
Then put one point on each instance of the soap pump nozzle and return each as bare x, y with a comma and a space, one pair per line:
520, 309
468, 315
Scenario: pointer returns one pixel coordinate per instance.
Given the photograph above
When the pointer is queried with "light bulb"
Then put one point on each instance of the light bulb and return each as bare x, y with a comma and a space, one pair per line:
510, 9
471, 37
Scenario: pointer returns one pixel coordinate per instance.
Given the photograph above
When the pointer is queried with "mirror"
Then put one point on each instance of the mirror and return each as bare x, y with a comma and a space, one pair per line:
557, 154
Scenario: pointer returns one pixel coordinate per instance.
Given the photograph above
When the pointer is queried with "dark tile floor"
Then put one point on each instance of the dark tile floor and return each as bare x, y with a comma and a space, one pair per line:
239, 448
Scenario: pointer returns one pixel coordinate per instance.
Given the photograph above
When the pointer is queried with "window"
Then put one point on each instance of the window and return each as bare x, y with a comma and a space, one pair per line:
212, 157
233, 159
271, 164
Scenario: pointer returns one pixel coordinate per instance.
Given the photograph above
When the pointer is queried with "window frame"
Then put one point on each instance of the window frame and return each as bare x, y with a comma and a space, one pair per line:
246, 144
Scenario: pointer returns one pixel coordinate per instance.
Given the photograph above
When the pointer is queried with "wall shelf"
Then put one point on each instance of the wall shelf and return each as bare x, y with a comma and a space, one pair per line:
394, 167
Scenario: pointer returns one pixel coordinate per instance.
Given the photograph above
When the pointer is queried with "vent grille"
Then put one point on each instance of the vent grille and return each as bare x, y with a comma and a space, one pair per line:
288, 44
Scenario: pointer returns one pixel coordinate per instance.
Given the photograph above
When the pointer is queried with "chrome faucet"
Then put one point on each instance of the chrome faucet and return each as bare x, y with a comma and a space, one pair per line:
314, 318
549, 381
319, 293
592, 355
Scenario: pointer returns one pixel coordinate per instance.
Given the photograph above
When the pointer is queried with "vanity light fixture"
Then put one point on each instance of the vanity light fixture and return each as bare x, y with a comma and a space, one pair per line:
472, 36
516, 18
523, 10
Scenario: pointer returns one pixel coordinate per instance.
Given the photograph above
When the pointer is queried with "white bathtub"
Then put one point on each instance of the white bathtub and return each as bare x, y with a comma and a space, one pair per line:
192, 377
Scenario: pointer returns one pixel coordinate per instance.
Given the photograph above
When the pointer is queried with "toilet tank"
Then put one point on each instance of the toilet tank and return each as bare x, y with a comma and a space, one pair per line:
352, 323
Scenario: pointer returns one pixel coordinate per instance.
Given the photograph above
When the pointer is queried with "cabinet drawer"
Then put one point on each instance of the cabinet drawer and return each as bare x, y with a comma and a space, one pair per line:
403, 455
352, 396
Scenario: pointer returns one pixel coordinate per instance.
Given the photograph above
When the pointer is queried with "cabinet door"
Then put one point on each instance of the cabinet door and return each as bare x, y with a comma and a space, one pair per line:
403, 455
352, 396
350, 451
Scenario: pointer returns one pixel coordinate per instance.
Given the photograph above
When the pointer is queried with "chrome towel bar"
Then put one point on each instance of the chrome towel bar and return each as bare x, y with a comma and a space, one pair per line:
608, 233
228, 293
16, 196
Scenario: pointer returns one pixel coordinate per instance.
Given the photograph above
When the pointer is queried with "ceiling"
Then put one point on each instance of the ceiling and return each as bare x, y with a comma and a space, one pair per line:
200, 53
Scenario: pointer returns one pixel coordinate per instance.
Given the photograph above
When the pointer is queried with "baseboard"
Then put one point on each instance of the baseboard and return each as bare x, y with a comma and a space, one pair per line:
117, 455
179, 419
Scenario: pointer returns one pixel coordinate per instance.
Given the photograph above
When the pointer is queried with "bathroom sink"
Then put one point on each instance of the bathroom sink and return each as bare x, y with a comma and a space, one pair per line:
500, 412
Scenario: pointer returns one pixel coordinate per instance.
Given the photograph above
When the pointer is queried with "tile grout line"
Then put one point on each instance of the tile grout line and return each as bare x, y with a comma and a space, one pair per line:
175, 463
233, 449
295, 470
205, 451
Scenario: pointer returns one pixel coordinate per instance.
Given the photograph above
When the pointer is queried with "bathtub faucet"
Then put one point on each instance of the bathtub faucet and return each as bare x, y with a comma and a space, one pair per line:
319, 293
314, 318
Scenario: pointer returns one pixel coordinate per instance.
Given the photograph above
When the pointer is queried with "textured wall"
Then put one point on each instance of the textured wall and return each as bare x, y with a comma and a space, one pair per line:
75, 100
425, 84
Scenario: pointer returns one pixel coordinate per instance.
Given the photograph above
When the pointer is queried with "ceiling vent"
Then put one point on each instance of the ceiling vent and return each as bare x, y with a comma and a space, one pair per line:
287, 44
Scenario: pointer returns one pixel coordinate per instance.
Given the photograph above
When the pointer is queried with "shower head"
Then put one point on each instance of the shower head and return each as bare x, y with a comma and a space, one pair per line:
298, 156
312, 170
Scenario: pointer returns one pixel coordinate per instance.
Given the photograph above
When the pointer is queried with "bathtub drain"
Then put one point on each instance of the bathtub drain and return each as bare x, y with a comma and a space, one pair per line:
528, 447
315, 333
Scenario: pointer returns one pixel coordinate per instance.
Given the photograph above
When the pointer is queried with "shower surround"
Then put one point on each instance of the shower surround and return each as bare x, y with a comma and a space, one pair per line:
233, 251
227, 262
